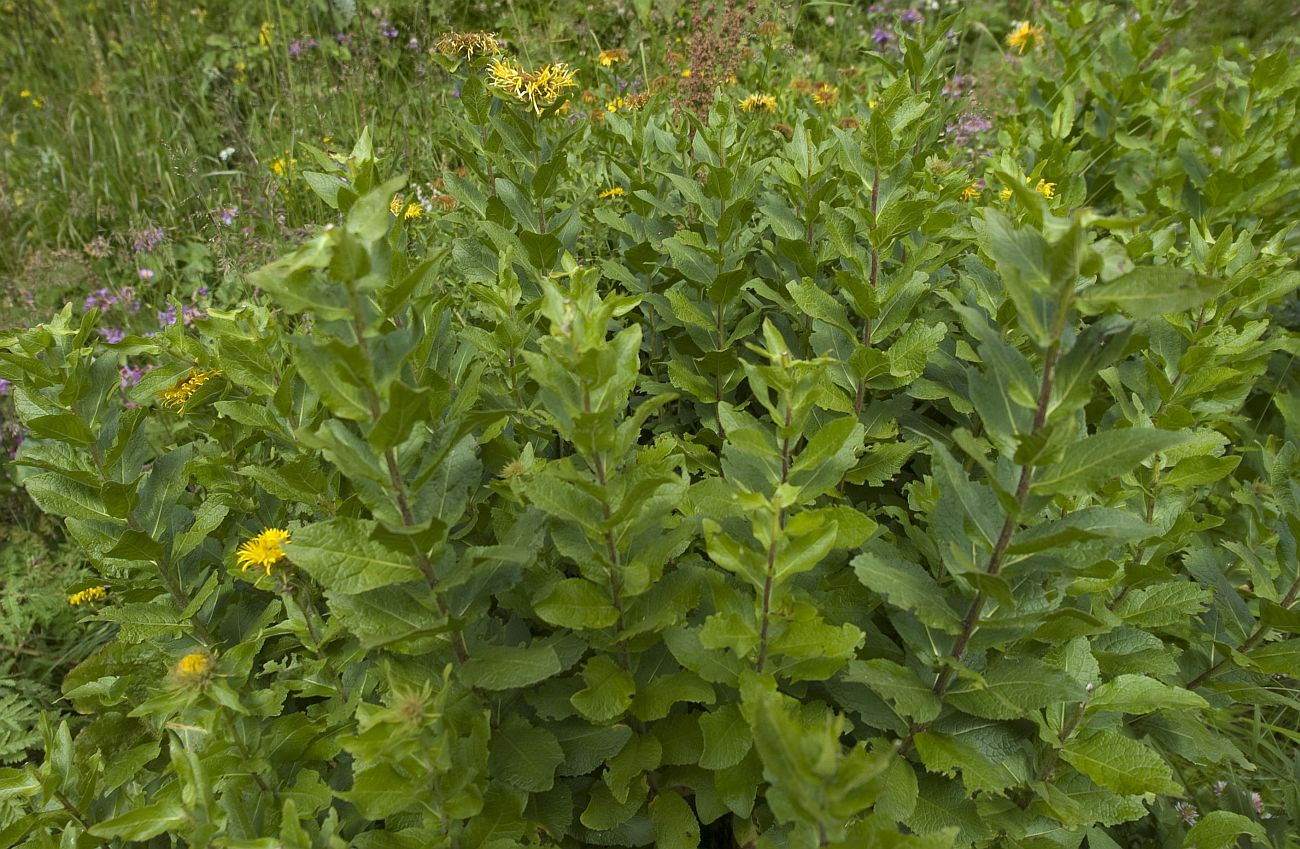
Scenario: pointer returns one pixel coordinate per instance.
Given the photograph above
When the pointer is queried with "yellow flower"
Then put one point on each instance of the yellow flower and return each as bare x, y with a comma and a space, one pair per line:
264, 34
263, 550
193, 668
826, 95
871, 104
281, 165
1024, 36
1045, 188
1005, 194
413, 210
971, 192
469, 43
766, 102
180, 394
686, 73
538, 89
616, 192
37, 102
396, 206
24, 93
609, 58
87, 595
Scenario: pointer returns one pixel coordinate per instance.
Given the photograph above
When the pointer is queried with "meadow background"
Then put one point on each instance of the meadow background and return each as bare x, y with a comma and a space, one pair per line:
152, 157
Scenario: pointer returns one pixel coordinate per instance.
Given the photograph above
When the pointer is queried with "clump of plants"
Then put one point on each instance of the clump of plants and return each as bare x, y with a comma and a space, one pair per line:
786, 477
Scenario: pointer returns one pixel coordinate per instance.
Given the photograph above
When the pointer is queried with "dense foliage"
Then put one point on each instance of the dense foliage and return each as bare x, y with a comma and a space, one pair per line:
826, 471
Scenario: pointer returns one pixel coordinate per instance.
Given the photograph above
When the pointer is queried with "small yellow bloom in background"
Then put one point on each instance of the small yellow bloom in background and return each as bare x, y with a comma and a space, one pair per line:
193, 668
24, 93
871, 104
87, 595
413, 210
971, 191
766, 102
264, 33
1045, 188
826, 95
469, 43
282, 165
616, 192
686, 72
37, 102
180, 394
610, 58
1005, 194
731, 79
396, 206
1025, 36
264, 550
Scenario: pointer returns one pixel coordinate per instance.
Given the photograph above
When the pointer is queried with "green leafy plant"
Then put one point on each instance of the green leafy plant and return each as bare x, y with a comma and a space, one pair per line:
804, 494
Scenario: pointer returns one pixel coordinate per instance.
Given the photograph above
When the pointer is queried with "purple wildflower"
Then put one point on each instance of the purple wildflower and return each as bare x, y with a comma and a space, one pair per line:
387, 30
167, 317
910, 16
145, 273
112, 335
966, 127
201, 292
4, 386
130, 375
881, 37
189, 314
1257, 801
413, 44
1188, 812
228, 214
956, 86
100, 299
311, 43
295, 48
147, 240
344, 39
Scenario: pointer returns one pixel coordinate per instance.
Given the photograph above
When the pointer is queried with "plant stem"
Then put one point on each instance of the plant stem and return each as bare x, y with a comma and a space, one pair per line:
1249, 643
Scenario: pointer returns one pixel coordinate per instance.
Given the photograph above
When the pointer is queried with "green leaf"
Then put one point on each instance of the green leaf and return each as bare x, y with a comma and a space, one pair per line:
906, 585
675, 825
1120, 763
341, 556
1096, 459
912, 697
727, 737
1152, 291
510, 667
142, 823
1138, 694
946, 754
524, 756
1164, 604
1220, 829
608, 693
578, 604
1013, 688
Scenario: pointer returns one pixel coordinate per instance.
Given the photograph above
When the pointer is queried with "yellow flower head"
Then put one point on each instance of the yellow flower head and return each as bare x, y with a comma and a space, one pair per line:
180, 394
1025, 36
538, 89
193, 668
766, 102
87, 595
609, 58
263, 550
264, 33
413, 210
616, 192
24, 93
826, 95
971, 191
1005, 194
1045, 188
281, 165
396, 206
468, 43
686, 73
